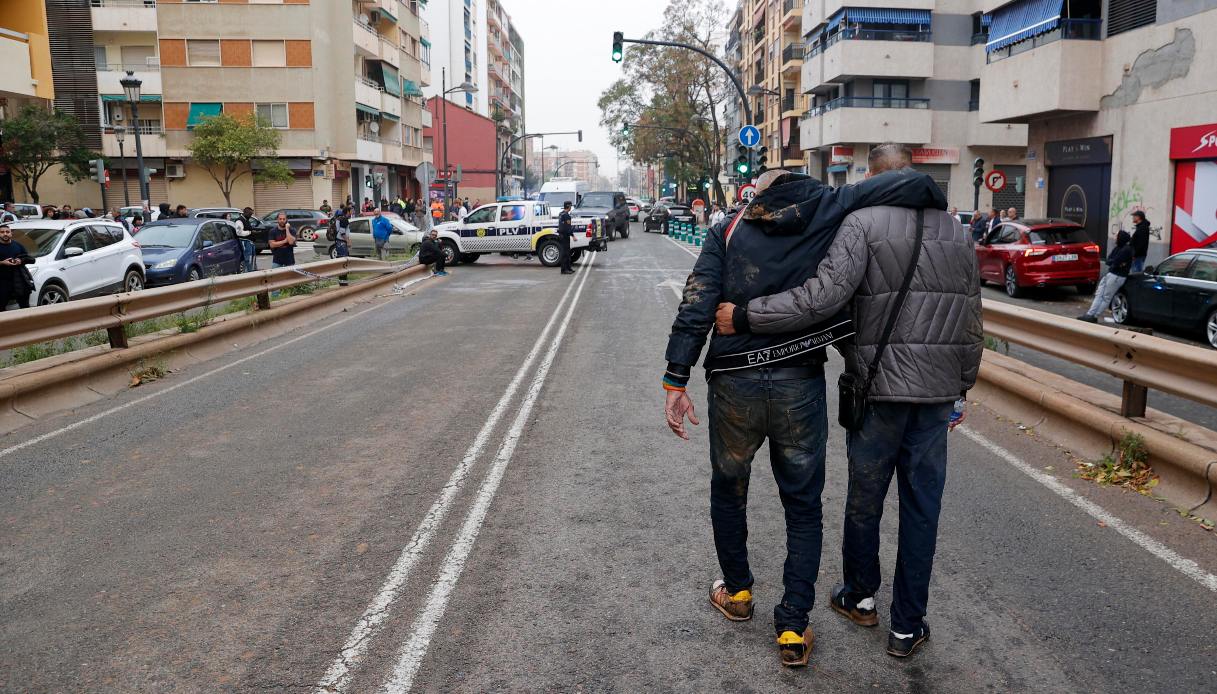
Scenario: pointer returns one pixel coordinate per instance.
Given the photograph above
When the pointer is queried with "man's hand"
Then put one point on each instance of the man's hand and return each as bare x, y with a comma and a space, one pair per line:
677, 406
723, 319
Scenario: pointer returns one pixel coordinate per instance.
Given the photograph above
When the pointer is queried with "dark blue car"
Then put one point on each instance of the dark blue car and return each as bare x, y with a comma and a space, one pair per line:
184, 250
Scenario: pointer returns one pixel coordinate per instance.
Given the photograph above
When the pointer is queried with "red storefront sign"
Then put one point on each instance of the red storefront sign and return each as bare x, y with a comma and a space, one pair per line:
935, 155
841, 155
1194, 142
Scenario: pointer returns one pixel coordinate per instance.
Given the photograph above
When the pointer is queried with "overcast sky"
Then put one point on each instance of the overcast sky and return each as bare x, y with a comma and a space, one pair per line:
567, 64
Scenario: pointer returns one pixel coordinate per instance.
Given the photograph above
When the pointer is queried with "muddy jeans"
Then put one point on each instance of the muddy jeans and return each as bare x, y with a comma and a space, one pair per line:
911, 441
1108, 286
792, 415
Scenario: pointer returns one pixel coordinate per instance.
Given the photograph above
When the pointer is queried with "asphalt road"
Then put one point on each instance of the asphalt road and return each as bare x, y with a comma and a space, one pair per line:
469, 487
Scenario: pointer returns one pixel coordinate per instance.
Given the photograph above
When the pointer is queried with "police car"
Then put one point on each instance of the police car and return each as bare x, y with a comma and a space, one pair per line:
517, 228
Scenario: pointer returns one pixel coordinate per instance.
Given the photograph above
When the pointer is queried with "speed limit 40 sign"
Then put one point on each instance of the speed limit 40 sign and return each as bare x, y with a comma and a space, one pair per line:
746, 193
995, 181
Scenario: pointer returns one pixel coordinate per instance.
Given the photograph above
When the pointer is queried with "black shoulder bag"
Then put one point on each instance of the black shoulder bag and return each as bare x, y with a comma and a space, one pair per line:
853, 389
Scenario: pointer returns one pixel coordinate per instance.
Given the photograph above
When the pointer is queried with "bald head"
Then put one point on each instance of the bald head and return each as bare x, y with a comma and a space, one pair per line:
888, 156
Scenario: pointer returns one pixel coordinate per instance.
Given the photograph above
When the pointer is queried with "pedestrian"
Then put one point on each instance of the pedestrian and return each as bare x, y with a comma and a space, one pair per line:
162, 212
66, 212
382, 229
431, 254
1011, 215
993, 221
181, 212
776, 243
462, 211
245, 233
282, 243
882, 260
565, 233
1140, 240
717, 215
325, 207
437, 211
341, 223
977, 226
1119, 263
115, 215
954, 212
137, 222
7, 214
15, 280
409, 208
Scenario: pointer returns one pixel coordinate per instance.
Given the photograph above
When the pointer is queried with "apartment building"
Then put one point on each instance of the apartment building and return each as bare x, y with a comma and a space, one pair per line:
25, 53
341, 79
1119, 101
764, 41
505, 86
906, 71
579, 164
460, 56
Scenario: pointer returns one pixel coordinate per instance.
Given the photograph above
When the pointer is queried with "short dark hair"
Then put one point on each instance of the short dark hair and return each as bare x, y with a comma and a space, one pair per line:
888, 157
566, 204
1139, 213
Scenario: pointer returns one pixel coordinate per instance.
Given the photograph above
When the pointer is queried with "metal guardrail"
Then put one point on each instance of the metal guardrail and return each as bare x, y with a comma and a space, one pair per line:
111, 313
1142, 361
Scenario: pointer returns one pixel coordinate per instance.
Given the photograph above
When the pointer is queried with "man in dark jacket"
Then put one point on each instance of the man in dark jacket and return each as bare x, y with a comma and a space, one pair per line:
1119, 263
565, 233
430, 253
772, 385
932, 358
15, 281
1140, 241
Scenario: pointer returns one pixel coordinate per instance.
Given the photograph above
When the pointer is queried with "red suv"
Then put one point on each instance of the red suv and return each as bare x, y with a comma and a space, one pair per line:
1038, 253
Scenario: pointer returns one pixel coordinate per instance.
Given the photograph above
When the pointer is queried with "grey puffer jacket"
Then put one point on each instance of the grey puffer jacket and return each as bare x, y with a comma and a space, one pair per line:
935, 348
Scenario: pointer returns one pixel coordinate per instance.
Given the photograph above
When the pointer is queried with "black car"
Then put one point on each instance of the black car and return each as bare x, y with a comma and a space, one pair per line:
608, 204
663, 212
304, 223
1180, 294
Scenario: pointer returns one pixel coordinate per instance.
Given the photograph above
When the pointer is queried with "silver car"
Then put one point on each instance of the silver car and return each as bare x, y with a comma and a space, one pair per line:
406, 239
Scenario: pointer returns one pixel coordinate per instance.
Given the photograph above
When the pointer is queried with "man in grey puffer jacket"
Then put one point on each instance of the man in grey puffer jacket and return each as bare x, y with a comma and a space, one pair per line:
931, 359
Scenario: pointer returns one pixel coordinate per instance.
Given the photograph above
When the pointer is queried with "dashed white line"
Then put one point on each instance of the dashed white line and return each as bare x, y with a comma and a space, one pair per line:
411, 655
1187, 567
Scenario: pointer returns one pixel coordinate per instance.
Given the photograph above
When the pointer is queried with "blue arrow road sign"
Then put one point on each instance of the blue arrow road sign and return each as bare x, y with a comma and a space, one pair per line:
749, 136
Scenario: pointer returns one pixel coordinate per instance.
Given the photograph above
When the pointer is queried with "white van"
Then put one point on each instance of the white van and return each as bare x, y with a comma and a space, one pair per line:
558, 190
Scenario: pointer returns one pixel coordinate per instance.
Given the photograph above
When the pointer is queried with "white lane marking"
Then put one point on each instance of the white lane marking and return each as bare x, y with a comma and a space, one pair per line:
1187, 567
681, 246
411, 655
106, 413
677, 287
338, 677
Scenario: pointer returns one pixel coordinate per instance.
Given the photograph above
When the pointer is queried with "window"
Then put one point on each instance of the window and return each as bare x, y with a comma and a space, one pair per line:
974, 95
1173, 266
512, 213
138, 57
886, 92
78, 239
269, 54
99, 57
483, 216
99, 236
360, 226
275, 114
1126, 15
211, 234
1059, 235
199, 111
203, 53
1204, 269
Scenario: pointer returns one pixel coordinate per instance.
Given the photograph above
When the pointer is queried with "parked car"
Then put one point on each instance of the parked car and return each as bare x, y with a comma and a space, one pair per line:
406, 238
258, 230
78, 258
185, 250
1038, 253
663, 212
1180, 294
635, 209
609, 205
305, 223
27, 210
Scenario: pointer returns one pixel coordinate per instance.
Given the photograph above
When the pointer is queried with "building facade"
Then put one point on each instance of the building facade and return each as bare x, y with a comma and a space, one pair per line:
468, 150
505, 91
764, 41
25, 53
459, 28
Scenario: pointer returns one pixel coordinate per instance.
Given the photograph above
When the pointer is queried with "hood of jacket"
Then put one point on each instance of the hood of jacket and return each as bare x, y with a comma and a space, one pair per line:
1123, 238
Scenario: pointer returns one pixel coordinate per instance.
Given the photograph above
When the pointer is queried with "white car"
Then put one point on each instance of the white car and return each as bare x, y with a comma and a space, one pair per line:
27, 210
78, 258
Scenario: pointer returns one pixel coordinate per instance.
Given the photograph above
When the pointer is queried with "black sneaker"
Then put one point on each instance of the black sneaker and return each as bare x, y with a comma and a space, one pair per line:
861, 614
904, 647
1088, 318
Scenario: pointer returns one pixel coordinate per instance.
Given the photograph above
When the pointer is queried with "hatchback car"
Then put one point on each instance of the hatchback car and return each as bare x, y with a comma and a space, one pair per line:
304, 223
635, 209
664, 212
78, 258
184, 250
406, 238
1038, 253
1180, 294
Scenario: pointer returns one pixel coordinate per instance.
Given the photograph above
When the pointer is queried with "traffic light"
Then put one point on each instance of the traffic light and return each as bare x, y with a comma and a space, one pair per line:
625, 129
978, 172
705, 183
618, 39
97, 170
741, 162
761, 155
580, 133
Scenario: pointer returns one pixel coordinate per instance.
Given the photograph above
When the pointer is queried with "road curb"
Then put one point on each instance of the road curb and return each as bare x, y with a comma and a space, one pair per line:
56, 384
1085, 420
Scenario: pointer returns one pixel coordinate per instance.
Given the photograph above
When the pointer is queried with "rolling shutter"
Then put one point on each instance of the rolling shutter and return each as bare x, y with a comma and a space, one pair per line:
273, 196
1126, 15
941, 173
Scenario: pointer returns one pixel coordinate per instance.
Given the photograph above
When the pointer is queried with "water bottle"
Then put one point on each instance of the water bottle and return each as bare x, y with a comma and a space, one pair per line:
957, 414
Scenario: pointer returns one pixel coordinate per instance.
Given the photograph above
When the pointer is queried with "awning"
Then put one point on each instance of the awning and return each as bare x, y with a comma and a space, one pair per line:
835, 20
986, 20
390, 116
389, 15
838, 168
1022, 20
425, 42
813, 36
409, 88
123, 97
392, 83
878, 15
200, 111
367, 109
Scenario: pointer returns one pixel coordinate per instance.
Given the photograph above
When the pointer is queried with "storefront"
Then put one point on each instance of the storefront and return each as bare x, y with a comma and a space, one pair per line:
937, 162
1194, 151
1079, 183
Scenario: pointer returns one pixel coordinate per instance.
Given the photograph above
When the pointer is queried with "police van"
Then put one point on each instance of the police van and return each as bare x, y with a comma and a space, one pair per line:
517, 228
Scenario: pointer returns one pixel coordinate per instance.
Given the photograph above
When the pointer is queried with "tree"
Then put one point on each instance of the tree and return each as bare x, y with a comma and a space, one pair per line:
229, 146
37, 139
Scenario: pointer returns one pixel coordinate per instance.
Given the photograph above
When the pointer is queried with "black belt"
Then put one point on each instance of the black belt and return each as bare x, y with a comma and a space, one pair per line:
786, 373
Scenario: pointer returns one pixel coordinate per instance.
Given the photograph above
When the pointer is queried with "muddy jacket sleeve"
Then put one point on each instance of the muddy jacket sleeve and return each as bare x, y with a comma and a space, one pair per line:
695, 317
820, 297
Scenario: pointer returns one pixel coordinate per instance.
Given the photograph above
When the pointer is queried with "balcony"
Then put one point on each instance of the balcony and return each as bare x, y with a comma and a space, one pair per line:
367, 41
1053, 79
792, 12
390, 53
17, 77
367, 92
109, 78
1067, 30
499, 72
123, 15
368, 148
151, 139
866, 119
390, 104
424, 74
792, 59
791, 104
874, 53
413, 156
426, 120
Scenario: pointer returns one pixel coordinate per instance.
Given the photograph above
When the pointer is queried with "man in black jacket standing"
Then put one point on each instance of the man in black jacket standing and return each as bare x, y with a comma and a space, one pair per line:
565, 233
1140, 241
770, 386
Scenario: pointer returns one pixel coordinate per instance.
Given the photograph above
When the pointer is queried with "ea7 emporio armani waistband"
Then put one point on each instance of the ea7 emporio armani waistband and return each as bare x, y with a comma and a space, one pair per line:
778, 354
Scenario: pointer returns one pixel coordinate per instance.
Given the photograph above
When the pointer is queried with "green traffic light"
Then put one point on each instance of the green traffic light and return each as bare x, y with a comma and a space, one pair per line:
616, 56
742, 168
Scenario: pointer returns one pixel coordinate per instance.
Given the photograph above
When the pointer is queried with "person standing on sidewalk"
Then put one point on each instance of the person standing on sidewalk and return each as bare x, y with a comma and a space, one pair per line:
15, 281
249, 252
1119, 263
382, 229
771, 386
282, 243
1140, 241
912, 280
565, 233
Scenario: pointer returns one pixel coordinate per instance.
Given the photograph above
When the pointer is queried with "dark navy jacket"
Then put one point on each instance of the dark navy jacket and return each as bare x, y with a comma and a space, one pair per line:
778, 244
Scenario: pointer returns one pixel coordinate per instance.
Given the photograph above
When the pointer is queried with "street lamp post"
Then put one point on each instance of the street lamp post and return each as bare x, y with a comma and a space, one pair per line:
131, 85
462, 87
120, 134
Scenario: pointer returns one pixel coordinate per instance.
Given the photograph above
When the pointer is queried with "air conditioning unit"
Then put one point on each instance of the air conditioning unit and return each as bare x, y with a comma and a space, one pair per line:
175, 171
